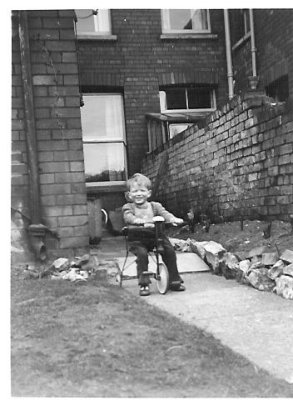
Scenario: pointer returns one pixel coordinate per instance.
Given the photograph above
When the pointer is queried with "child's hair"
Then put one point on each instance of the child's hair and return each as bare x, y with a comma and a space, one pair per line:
140, 179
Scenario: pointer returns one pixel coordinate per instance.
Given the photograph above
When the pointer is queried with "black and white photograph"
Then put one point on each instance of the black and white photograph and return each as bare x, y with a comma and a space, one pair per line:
151, 199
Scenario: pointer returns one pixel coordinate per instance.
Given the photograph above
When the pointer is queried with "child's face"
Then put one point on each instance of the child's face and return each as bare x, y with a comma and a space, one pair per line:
139, 193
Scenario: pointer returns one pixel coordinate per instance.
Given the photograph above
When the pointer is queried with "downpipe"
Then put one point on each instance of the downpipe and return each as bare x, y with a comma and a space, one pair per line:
36, 230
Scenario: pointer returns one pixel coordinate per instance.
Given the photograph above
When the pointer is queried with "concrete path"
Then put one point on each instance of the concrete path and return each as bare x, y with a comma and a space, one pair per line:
258, 325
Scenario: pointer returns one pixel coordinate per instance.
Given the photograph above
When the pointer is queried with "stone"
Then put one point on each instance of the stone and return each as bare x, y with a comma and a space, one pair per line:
276, 270
244, 265
269, 258
214, 256
288, 270
257, 251
61, 263
287, 256
284, 287
180, 244
82, 260
198, 248
231, 260
260, 280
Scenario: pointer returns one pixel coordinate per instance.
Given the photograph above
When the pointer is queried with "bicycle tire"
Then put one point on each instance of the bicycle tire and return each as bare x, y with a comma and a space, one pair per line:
163, 279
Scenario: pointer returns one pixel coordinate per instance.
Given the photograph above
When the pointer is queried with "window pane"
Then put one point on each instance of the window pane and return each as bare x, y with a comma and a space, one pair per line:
175, 98
102, 116
104, 162
199, 98
174, 129
199, 20
180, 19
85, 21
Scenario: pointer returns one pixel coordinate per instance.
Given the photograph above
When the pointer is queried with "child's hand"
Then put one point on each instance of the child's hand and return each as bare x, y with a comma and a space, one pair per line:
177, 221
139, 221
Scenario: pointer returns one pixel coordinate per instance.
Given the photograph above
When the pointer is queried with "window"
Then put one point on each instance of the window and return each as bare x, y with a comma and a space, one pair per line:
279, 89
239, 25
92, 22
187, 99
103, 130
185, 21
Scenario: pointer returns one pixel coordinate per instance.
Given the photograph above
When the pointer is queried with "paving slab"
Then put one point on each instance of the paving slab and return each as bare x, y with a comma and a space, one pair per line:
187, 262
258, 325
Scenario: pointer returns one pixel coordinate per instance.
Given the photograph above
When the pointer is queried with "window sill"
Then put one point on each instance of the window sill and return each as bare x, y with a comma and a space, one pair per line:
181, 36
105, 187
110, 38
241, 41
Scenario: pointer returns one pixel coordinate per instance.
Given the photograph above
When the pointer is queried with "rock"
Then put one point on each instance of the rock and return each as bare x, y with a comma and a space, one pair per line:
244, 265
111, 266
257, 251
198, 248
288, 270
231, 261
269, 258
287, 256
61, 263
284, 287
276, 270
82, 260
214, 256
260, 280
180, 244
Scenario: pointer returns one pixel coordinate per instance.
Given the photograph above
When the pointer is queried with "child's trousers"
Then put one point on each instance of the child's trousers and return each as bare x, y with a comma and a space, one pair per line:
140, 249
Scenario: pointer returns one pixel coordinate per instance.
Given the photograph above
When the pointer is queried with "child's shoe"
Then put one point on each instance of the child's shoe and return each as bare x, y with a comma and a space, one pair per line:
144, 291
177, 288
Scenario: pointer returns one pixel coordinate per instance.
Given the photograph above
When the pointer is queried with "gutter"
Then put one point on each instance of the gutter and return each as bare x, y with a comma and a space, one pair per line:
228, 54
36, 229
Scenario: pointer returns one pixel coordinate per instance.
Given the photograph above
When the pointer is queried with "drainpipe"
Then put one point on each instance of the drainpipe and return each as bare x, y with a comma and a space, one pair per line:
253, 48
36, 229
228, 54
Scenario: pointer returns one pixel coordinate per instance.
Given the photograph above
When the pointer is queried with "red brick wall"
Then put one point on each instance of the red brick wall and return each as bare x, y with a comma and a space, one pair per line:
139, 60
58, 126
241, 161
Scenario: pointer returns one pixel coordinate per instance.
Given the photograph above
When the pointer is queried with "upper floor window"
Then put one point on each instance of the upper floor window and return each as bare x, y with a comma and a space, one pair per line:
239, 25
185, 21
93, 22
187, 99
104, 144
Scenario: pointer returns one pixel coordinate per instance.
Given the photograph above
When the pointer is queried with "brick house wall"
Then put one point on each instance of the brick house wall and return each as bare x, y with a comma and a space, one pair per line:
274, 55
140, 60
239, 163
53, 60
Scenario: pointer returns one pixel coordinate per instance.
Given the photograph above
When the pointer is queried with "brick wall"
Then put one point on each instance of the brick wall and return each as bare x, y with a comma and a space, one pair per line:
58, 128
240, 162
140, 60
274, 55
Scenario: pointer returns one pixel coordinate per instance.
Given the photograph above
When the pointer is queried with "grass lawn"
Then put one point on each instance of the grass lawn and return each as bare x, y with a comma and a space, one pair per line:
97, 340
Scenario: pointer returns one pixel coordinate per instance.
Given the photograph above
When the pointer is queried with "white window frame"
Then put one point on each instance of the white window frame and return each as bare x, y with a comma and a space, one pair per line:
101, 19
105, 139
165, 16
163, 103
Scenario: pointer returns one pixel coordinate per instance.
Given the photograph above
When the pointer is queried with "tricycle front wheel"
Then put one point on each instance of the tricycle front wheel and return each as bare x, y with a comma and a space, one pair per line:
162, 279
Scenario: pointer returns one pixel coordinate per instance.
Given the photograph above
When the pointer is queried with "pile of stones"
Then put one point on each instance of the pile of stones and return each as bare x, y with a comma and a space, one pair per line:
261, 267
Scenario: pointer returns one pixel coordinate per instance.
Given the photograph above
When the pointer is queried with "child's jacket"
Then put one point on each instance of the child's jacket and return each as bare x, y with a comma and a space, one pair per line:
129, 216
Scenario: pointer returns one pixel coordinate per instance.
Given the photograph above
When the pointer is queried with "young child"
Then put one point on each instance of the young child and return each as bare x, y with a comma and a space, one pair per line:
140, 211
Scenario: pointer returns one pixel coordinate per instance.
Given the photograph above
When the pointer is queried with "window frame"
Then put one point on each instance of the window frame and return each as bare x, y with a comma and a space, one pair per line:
165, 17
164, 109
105, 139
97, 34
